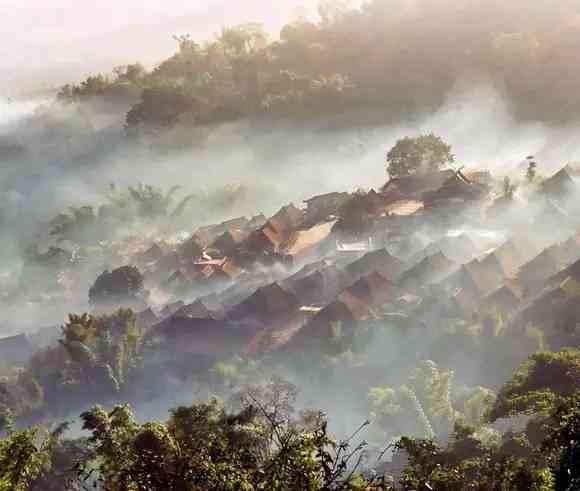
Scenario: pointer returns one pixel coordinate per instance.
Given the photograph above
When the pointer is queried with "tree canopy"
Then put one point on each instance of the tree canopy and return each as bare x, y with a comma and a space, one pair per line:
418, 155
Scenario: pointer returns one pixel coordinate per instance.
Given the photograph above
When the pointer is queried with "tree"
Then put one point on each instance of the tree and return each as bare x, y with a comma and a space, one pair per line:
162, 107
531, 171
539, 385
422, 154
508, 188
26, 456
261, 446
148, 202
121, 287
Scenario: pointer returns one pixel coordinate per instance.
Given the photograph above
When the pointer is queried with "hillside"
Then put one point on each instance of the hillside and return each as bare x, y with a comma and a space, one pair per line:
437, 278
344, 258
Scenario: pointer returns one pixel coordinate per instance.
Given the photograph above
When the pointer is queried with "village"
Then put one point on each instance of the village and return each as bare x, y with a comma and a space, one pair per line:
421, 251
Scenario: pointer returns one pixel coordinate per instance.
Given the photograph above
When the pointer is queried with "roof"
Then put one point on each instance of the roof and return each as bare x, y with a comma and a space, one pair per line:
459, 248
304, 241
306, 270
327, 197
429, 270
288, 218
380, 260
277, 230
360, 246
487, 274
505, 299
455, 186
417, 184
209, 233
320, 286
228, 241
256, 222
571, 287
270, 301
373, 289
171, 308
404, 207
509, 257
147, 318
199, 310
540, 268
560, 183
16, 349
209, 337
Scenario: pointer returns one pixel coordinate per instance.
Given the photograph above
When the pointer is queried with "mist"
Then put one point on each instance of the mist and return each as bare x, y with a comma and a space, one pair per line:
64, 41
56, 157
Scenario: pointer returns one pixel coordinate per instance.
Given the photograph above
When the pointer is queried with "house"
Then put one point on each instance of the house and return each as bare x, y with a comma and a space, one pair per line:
404, 208
320, 208
509, 257
567, 252
227, 243
16, 350
505, 300
244, 286
357, 247
381, 261
459, 248
314, 242
415, 185
266, 304
306, 270
319, 287
373, 289
206, 235
336, 319
473, 281
191, 248
552, 213
560, 185
256, 222
206, 337
276, 231
534, 273
151, 255
556, 310
201, 275
431, 269
200, 310
170, 309
147, 318
456, 189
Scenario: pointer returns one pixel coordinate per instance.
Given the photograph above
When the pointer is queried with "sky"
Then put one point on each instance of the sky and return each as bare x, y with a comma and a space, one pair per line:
49, 42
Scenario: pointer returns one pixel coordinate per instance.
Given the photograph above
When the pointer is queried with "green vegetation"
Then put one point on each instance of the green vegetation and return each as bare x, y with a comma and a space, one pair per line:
508, 188
422, 154
383, 61
259, 443
122, 286
532, 170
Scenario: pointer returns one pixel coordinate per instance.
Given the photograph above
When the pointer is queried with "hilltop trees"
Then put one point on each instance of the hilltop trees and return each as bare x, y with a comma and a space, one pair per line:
260, 446
239, 72
121, 287
532, 169
421, 154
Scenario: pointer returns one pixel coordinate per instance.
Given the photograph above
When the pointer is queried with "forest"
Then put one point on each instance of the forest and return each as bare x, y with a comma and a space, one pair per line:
412, 55
203, 286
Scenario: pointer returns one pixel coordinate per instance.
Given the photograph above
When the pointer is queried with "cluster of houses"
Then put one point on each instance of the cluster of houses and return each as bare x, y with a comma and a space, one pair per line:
423, 250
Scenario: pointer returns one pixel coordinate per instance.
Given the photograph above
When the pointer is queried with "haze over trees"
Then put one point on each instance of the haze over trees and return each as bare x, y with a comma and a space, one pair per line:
420, 333
418, 155
375, 59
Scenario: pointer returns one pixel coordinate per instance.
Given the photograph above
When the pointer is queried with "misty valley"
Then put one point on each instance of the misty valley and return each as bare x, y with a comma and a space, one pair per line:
344, 256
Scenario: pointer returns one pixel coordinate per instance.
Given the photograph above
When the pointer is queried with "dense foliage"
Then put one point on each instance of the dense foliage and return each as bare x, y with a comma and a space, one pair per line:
377, 59
422, 154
